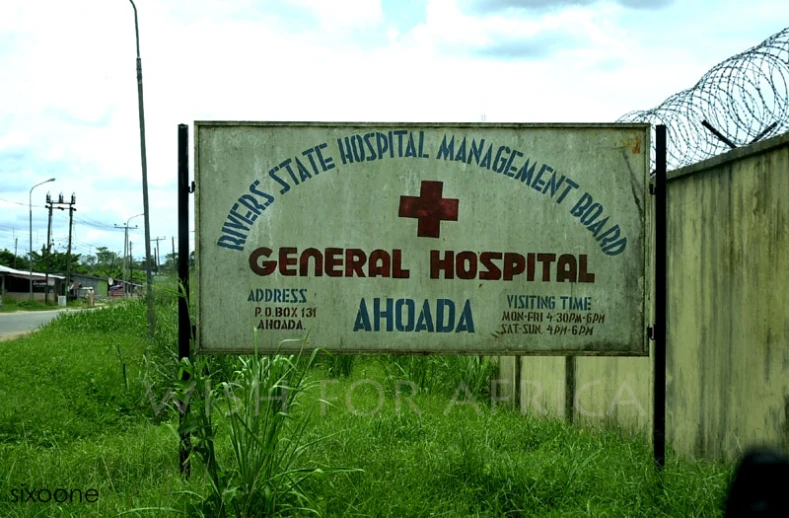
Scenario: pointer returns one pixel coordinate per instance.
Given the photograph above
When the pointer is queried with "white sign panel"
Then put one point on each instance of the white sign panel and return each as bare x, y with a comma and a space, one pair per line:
422, 238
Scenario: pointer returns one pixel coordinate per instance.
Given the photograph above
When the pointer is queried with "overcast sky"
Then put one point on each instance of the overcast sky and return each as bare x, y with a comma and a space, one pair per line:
69, 93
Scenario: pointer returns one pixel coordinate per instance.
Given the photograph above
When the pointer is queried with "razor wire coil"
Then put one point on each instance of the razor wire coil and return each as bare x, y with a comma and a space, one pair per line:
745, 98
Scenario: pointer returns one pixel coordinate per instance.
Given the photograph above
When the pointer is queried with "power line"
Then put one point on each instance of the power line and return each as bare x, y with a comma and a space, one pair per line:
96, 225
22, 204
93, 221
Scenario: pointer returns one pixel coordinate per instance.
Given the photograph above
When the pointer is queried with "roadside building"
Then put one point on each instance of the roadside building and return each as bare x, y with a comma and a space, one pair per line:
15, 284
100, 285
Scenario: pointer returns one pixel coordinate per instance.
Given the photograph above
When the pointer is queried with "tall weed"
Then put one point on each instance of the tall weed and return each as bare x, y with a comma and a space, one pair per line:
261, 411
339, 365
441, 374
428, 373
476, 372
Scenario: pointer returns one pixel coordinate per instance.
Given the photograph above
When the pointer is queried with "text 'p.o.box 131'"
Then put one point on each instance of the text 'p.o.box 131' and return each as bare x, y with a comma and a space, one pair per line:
422, 238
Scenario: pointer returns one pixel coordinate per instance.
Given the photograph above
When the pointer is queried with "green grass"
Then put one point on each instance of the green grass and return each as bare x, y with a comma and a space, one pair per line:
443, 459
65, 382
76, 415
11, 305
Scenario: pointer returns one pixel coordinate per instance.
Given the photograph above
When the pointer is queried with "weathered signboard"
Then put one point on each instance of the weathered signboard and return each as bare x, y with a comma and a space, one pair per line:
422, 238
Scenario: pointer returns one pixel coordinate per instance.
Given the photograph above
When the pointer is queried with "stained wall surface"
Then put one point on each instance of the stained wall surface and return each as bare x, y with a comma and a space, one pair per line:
728, 318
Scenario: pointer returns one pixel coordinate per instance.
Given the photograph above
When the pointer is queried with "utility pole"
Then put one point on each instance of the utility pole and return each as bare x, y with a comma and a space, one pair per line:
156, 266
131, 264
49, 240
16, 250
126, 228
60, 205
125, 265
144, 160
71, 210
125, 255
30, 206
172, 242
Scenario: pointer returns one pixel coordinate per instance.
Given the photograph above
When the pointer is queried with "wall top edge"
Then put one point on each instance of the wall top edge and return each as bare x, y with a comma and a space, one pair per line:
739, 153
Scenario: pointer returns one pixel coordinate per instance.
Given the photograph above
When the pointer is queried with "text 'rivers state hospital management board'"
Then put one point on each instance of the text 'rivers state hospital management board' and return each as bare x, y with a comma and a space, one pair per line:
422, 238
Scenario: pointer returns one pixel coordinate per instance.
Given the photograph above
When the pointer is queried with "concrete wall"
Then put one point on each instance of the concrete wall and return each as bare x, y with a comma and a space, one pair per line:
37, 295
728, 318
729, 301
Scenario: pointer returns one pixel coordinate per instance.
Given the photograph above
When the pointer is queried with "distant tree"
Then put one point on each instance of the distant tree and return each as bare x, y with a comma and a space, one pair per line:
108, 263
89, 262
58, 261
7, 258
106, 258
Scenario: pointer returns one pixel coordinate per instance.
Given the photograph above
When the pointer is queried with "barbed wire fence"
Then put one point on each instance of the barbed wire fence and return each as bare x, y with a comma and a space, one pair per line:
741, 100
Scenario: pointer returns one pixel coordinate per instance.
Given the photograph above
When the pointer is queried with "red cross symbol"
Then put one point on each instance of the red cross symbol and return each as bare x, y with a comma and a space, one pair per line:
429, 208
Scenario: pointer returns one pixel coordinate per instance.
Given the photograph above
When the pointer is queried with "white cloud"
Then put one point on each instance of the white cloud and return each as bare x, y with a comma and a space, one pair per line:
516, 36
344, 14
70, 94
14, 139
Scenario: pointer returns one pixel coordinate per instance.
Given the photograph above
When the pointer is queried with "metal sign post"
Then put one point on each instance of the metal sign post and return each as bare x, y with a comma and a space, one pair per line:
661, 283
184, 322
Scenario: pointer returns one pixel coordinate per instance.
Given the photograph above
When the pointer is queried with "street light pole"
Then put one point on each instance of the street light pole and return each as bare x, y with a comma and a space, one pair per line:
30, 206
149, 292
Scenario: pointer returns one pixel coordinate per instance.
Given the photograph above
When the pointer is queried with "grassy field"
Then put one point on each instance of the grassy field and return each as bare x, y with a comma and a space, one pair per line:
11, 305
87, 410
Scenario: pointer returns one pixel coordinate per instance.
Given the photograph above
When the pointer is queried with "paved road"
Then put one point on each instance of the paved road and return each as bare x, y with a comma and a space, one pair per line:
24, 321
